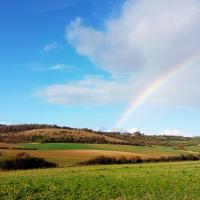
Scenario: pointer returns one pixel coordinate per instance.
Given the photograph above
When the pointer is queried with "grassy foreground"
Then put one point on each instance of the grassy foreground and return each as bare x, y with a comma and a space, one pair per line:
179, 180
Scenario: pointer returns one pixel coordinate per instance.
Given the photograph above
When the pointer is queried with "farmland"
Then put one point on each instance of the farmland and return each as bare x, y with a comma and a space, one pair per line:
71, 179
143, 181
70, 154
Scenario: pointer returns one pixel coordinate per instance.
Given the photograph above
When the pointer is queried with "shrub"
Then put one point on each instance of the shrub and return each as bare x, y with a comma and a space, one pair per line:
4, 148
190, 157
23, 155
103, 160
25, 161
21, 148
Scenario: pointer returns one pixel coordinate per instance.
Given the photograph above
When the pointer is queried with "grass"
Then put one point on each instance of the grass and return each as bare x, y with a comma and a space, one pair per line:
110, 147
57, 146
193, 148
142, 181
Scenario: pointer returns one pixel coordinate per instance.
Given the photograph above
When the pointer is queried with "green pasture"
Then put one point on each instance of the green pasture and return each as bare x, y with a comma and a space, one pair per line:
164, 181
110, 147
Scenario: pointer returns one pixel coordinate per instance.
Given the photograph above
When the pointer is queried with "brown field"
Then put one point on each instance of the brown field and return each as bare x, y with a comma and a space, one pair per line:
7, 145
72, 157
77, 153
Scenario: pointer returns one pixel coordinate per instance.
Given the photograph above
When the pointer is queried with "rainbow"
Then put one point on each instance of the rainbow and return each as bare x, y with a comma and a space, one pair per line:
152, 88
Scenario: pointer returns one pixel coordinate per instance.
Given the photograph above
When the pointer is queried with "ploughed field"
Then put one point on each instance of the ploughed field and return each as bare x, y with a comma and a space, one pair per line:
179, 180
70, 154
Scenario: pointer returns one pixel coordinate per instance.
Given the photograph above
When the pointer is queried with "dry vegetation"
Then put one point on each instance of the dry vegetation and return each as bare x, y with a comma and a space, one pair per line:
104, 160
25, 161
65, 158
54, 135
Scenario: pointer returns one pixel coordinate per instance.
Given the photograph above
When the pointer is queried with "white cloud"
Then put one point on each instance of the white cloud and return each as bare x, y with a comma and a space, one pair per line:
182, 90
40, 67
132, 130
146, 35
49, 47
6, 123
61, 67
89, 91
148, 38
175, 133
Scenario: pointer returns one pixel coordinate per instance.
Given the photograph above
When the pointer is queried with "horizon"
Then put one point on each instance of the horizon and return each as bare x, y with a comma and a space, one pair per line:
102, 64
174, 133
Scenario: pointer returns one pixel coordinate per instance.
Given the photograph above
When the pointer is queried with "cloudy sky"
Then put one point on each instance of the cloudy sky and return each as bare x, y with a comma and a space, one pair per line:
84, 64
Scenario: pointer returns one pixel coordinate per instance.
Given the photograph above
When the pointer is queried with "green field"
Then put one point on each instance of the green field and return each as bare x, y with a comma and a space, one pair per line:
110, 147
143, 181
58, 146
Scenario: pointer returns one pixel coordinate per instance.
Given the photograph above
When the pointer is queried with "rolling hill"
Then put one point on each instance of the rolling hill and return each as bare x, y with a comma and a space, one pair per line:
56, 135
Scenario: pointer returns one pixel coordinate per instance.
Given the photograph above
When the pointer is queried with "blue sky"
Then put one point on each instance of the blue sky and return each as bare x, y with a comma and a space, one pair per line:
82, 64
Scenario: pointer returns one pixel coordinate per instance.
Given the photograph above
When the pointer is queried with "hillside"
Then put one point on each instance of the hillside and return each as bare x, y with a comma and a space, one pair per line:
53, 135
27, 127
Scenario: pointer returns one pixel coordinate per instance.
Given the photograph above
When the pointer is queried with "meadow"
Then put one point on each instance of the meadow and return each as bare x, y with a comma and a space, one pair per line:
178, 180
70, 154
